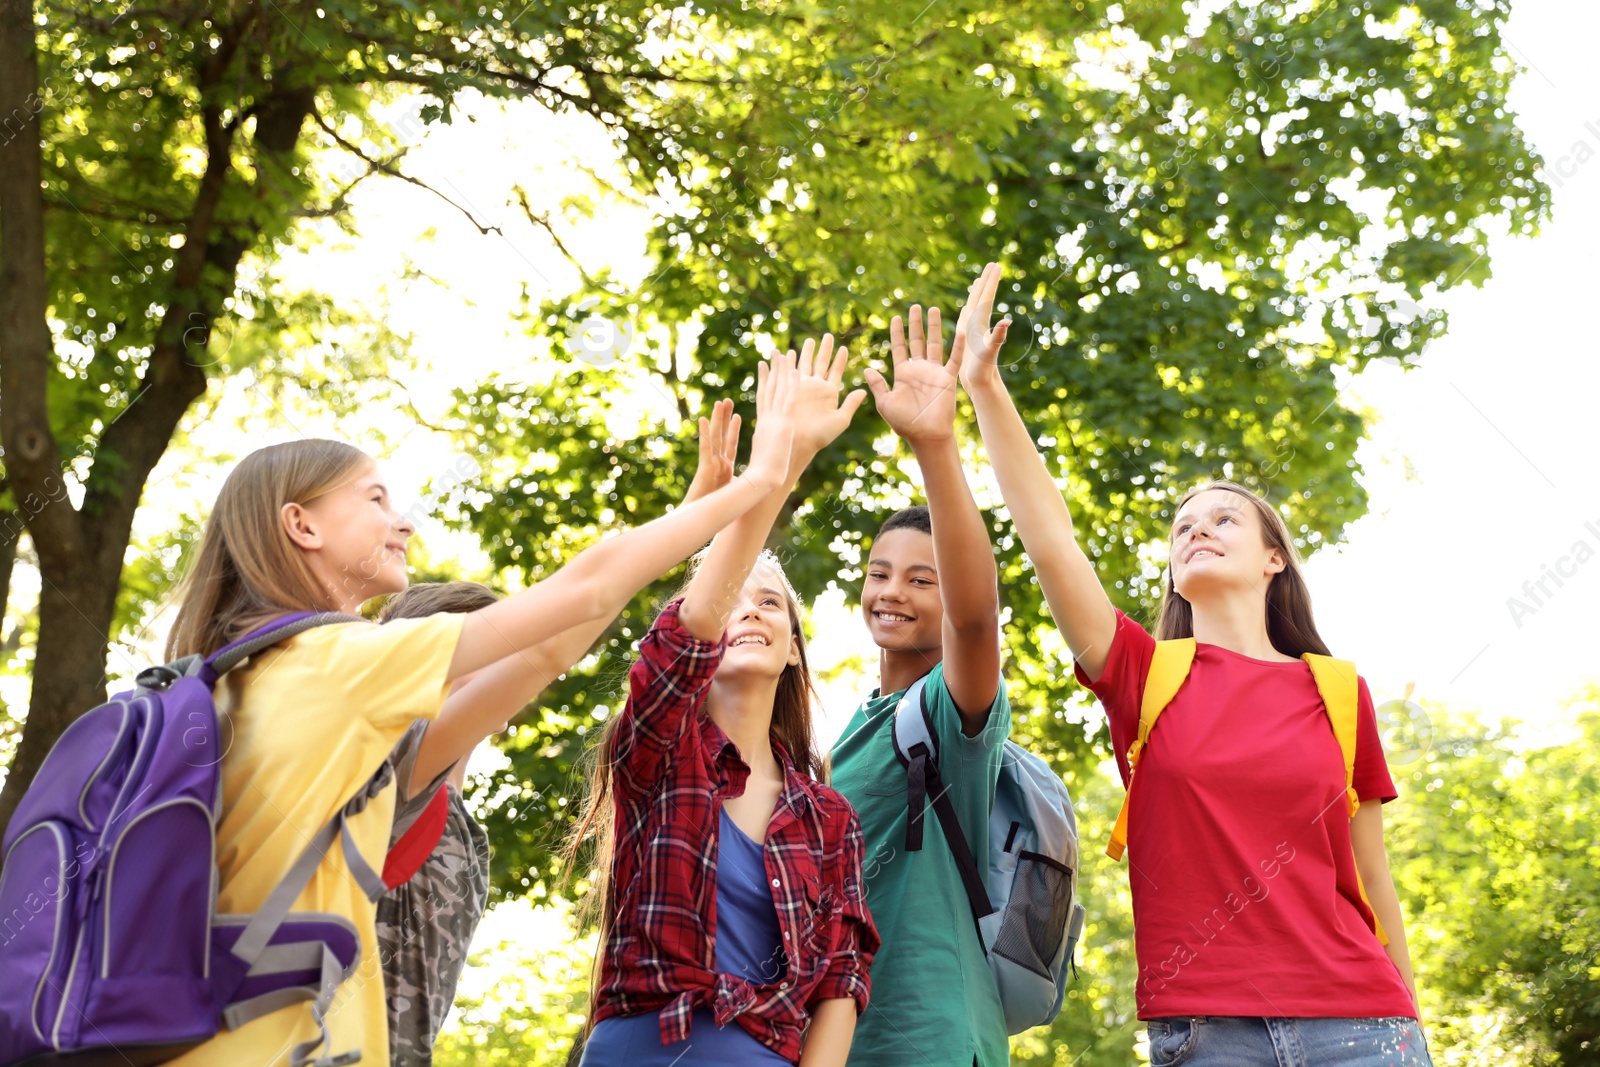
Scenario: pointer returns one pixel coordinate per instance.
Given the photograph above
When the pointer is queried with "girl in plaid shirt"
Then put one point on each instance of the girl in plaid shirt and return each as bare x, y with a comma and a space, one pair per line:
425, 925
733, 925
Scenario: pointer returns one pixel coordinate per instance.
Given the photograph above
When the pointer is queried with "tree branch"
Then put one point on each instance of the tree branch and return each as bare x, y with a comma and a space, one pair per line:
543, 221
383, 166
175, 376
411, 407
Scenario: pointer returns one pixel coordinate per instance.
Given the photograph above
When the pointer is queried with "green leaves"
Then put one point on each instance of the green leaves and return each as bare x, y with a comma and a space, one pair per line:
1200, 220
1494, 855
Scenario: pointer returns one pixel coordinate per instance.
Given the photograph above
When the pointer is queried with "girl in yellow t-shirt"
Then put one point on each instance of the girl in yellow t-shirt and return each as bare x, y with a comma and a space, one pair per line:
308, 525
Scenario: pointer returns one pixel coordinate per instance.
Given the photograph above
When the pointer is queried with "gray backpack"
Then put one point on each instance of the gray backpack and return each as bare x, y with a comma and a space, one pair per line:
1028, 918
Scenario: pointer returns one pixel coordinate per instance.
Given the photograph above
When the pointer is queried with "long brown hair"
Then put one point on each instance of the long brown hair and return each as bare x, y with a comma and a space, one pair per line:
434, 598
247, 569
791, 727
1290, 626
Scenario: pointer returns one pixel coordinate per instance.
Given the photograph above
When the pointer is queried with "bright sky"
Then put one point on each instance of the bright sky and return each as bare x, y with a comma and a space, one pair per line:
1479, 466
1481, 469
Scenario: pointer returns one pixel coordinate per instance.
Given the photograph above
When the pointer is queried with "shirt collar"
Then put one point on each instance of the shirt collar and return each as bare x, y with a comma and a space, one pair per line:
733, 772
796, 786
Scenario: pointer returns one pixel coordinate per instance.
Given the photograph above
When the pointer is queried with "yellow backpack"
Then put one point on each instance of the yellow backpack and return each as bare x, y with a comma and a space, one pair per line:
1336, 682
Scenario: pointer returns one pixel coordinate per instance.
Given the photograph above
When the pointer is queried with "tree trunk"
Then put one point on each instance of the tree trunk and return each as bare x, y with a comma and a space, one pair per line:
73, 622
11, 527
33, 462
80, 562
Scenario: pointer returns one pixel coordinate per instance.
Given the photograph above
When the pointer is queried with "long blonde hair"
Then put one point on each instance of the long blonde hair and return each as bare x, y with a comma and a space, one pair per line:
792, 727
247, 569
1290, 625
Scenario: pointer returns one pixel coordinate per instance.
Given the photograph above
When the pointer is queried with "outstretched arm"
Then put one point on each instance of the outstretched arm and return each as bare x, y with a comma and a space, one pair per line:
921, 408
486, 702
685, 644
810, 382
1067, 578
604, 577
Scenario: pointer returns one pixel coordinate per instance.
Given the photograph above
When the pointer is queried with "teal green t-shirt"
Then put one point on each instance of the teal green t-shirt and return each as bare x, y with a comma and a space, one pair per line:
934, 1001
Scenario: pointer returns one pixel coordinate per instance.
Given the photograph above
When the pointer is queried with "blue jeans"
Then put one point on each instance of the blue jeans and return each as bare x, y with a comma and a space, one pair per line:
1234, 1041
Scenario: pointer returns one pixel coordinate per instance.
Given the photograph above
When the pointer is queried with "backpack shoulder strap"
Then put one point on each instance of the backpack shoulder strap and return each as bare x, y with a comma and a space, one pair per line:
1336, 683
262, 638
918, 748
912, 725
1169, 667
1339, 686
250, 954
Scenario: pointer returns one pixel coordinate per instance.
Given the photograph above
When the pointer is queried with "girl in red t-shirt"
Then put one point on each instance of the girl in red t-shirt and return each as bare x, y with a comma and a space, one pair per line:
1255, 944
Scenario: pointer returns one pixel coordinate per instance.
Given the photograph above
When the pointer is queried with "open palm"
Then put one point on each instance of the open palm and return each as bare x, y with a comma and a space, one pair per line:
977, 347
719, 446
819, 415
921, 404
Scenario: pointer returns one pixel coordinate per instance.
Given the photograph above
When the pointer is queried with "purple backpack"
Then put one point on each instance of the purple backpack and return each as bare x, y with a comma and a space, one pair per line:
111, 949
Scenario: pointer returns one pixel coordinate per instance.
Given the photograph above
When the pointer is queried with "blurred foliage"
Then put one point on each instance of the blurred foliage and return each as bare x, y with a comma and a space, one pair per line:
141, 108
1205, 220
531, 1009
1496, 860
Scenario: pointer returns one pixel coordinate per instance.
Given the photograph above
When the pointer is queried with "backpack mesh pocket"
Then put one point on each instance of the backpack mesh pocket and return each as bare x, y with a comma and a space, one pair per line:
1036, 914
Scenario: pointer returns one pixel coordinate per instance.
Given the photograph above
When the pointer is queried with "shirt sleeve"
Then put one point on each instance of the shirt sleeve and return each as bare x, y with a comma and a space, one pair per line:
394, 674
847, 972
1372, 780
1120, 686
947, 724
666, 685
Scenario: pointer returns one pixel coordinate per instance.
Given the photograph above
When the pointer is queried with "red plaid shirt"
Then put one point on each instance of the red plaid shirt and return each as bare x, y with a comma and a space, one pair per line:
671, 770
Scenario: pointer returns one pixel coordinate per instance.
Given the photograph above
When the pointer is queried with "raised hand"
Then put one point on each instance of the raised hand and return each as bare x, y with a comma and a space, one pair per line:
774, 435
921, 404
719, 445
976, 348
819, 415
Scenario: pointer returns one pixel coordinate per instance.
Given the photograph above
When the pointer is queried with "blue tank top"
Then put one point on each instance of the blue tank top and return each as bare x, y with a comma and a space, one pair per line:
749, 945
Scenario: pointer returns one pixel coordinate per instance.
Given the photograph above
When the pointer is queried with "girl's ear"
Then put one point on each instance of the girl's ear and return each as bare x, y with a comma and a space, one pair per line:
1275, 561
300, 526
794, 652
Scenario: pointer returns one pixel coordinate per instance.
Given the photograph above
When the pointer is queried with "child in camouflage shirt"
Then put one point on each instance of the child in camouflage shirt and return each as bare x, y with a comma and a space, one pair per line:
426, 923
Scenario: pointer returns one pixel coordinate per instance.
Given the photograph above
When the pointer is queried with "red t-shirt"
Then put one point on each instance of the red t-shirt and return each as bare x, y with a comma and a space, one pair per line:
1239, 856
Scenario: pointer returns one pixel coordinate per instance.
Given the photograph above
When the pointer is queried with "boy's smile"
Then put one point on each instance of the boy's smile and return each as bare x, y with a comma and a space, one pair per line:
900, 598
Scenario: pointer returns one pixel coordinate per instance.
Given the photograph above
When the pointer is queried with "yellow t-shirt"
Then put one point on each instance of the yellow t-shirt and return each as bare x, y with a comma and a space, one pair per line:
310, 721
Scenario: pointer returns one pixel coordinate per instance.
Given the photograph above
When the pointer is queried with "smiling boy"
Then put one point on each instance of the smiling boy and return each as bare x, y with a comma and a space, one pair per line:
932, 606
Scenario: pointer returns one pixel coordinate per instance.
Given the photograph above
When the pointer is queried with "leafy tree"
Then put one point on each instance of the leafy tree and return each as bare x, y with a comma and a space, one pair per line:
153, 160
1496, 860
1205, 221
